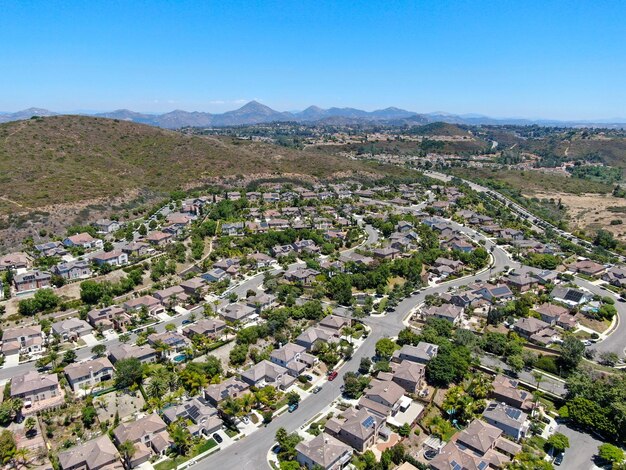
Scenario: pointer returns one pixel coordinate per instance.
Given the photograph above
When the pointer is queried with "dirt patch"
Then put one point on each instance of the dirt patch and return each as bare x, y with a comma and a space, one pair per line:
590, 212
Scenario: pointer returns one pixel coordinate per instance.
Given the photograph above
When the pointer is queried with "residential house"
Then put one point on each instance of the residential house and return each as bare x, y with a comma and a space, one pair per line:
89, 375
145, 353
409, 375
261, 260
14, 261
149, 434
505, 389
232, 387
71, 329
84, 240
146, 302
51, 249
570, 296
512, 421
305, 276
448, 312
173, 343
357, 428
108, 317
136, 249
522, 281
556, 315
194, 287
386, 253
158, 238
260, 301
171, 296
421, 354
587, 267
31, 280
459, 244
294, 358
232, 228
106, 226
356, 258
479, 446
268, 373
204, 417
323, 452
616, 276
279, 251
112, 258
215, 275
73, 270
96, 454
238, 313
22, 339
495, 293
37, 391
209, 327
313, 335
526, 327
334, 322
307, 246
382, 398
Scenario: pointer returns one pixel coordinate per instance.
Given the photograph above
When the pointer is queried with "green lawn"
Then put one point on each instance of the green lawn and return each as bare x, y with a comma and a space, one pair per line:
171, 464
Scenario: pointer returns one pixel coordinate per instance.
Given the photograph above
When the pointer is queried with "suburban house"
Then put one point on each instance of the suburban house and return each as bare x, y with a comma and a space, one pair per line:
323, 452
14, 261
294, 358
151, 304
305, 276
383, 398
261, 260
159, 238
534, 329
506, 390
616, 276
587, 267
569, 296
51, 249
84, 240
357, 428
31, 280
334, 322
170, 296
512, 421
136, 249
22, 339
409, 375
209, 327
108, 317
96, 454
312, 335
448, 312
112, 258
106, 226
232, 228
556, 315
494, 293
237, 313
89, 374
149, 434
232, 387
260, 301
145, 353
71, 329
173, 343
37, 391
421, 354
194, 287
479, 446
204, 417
268, 373
522, 281
214, 275
72, 270
386, 253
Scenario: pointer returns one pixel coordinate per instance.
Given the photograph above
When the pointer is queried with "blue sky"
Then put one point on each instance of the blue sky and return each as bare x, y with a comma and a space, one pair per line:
548, 59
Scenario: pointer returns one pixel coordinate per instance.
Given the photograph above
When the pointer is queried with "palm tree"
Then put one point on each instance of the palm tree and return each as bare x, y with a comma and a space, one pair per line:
127, 451
53, 357
22, 455
29, 424
157, 387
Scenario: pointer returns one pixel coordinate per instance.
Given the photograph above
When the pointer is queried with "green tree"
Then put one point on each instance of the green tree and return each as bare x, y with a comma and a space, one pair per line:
339, 289
89, 416
7, 446
611, 453
385, 348
99, 350
127, 451
354, 384
558, 442
128, 372
571, 352
293, 398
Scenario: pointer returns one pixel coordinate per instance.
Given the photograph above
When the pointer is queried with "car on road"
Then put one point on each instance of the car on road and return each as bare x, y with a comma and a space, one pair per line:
558, 460
217, 438
292, 408
332, 375
316, 389
186, 322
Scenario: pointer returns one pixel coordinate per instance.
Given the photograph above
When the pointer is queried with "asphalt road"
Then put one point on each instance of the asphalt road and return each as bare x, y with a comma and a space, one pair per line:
583, 448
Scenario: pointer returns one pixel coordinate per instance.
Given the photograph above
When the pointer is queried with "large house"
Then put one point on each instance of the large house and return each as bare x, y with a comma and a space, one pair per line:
89, 374
22, 339
96, 454
238, 313
232, 387
357, 428
294, 358
108, 317
151, 304
71, 329
506, 390
314, 335
149, 434
209, 327
323, 452
83, 240
112, 258
145, 353
422, 353
72, 270
204, 417
382, 398
449, 312
512, 421
268, 373
31, 280
570, 296
174, 343
105, 226
37, 391
14, 261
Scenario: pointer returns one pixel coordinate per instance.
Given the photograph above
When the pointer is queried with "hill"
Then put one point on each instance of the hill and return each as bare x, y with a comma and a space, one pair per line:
68, 159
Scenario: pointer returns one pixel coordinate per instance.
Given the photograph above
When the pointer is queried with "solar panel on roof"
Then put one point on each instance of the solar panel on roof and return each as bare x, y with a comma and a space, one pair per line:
454, 465
573, 295
513, 413
482, 465
369, 422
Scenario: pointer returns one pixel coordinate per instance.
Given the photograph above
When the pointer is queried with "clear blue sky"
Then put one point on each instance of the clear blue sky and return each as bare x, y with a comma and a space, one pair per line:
550, 59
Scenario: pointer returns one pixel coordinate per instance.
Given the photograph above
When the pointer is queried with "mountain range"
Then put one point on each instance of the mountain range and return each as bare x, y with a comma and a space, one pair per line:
257, 113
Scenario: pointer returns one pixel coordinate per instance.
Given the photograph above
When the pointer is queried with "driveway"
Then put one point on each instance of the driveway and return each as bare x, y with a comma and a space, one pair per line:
582, 448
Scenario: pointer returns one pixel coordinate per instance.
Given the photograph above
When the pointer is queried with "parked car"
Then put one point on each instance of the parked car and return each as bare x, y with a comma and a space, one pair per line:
217, 438
558, 460
316, 389
186, 322
245, 419
333, 375
308, 377
293, 408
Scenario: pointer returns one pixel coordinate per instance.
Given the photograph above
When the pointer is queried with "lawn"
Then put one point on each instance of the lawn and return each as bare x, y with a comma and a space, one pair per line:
171, 464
